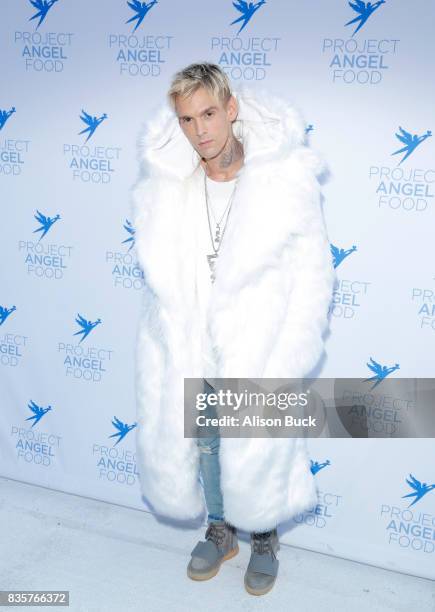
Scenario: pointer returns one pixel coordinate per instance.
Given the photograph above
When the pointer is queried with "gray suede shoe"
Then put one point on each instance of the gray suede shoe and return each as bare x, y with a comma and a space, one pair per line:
263, 565
220, 545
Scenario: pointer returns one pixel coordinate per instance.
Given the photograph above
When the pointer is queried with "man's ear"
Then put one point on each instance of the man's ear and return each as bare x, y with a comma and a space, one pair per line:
232, 108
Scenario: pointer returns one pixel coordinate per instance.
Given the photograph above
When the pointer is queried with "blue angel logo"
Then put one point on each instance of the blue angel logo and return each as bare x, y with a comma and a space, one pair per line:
122, 428
381, 372
316, 466
419, 489
140, 9
411, 142
364, 10
130, 229
4, 116
86, 326
5, 312
91, 122
339, 254
43, 6
38, 412
247, 9
46, 223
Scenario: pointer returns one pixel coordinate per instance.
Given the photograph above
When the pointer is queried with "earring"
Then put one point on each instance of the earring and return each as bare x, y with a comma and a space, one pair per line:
239, 132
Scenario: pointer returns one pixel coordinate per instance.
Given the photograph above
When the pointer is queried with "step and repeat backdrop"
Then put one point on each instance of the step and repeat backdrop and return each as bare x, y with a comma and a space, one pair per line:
79, 79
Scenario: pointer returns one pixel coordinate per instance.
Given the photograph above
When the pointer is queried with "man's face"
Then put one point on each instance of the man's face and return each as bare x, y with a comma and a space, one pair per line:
205, 121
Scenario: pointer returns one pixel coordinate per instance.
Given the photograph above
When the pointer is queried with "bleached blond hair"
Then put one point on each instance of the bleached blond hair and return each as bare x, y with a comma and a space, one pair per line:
209, 76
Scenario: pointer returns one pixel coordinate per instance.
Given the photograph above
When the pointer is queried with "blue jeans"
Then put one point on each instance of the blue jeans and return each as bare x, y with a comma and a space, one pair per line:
209, 466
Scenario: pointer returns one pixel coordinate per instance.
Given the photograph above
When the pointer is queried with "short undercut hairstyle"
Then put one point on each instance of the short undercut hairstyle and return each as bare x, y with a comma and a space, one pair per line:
209, 76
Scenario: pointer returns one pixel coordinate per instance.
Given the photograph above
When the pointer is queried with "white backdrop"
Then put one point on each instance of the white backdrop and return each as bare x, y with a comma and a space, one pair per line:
67, 401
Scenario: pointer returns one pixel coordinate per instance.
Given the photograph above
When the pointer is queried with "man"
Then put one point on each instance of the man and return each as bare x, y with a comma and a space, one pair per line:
238, 281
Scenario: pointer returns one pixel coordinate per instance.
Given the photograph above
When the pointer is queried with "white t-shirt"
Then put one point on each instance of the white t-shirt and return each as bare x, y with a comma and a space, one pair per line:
219, 194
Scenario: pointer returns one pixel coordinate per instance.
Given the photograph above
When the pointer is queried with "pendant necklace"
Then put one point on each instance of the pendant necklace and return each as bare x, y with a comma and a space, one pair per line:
219, 234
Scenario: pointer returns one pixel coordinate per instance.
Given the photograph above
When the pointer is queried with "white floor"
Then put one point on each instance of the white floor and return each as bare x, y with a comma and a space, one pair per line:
112, 558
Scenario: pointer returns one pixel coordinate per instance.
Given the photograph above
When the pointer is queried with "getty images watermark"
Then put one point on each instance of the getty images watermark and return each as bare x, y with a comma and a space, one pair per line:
314, 407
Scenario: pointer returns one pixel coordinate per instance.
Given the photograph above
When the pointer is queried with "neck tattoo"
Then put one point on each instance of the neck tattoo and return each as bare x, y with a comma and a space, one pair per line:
232, 152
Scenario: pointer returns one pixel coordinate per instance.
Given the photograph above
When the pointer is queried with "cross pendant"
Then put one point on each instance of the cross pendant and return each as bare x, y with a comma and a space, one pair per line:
212, 263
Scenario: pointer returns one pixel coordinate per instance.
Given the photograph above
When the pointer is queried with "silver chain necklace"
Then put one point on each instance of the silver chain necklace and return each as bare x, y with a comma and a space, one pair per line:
218, 234
217, 237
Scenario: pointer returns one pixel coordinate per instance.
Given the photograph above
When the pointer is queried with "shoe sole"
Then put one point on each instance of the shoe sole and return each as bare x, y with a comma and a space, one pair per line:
215, 570
259, 591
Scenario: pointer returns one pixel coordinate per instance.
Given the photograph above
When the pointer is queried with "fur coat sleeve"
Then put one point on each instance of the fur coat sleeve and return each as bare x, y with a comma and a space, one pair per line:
299, 343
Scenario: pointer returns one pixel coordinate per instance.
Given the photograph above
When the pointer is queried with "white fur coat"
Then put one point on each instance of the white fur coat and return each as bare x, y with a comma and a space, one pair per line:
268, 310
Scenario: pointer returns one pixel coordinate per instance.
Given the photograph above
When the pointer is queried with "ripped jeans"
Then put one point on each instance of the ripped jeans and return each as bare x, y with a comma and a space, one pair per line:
209, 467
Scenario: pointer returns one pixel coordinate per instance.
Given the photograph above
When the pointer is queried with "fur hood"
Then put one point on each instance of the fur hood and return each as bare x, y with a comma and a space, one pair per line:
268, 126
268, 310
